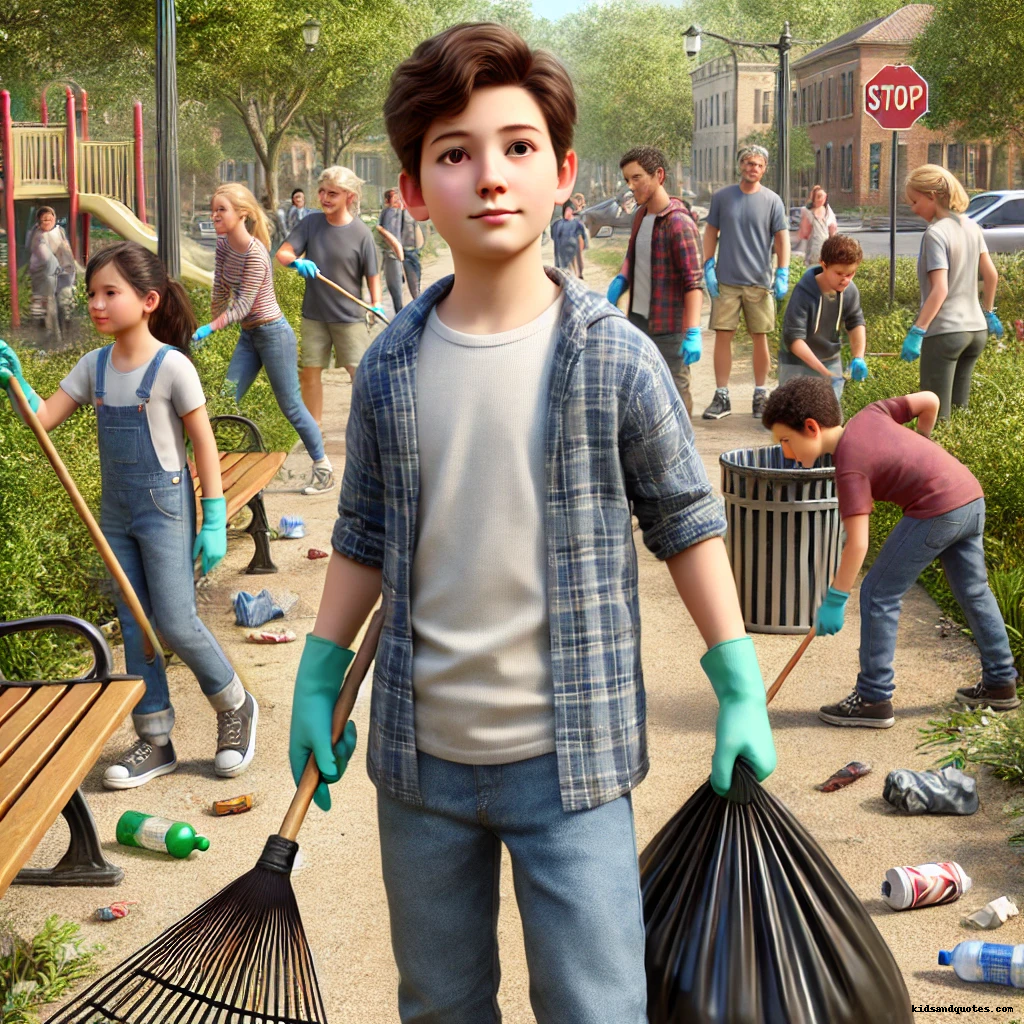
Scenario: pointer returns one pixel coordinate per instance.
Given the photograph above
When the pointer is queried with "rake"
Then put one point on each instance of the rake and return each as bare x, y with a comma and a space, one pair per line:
242, 957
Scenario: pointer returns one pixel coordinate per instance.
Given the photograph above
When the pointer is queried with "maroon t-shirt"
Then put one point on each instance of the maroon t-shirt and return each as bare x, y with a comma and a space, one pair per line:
878, 458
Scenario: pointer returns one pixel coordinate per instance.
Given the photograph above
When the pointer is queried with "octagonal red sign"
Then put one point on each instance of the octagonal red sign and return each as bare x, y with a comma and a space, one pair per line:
896, 96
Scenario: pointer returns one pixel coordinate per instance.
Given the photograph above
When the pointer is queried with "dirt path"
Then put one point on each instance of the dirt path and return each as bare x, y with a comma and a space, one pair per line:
340, 890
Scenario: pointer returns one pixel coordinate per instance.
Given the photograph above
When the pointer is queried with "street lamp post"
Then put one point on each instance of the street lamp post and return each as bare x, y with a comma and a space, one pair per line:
168, 196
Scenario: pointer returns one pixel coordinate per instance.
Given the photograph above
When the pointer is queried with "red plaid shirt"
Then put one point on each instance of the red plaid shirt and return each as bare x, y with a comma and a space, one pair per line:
676, 265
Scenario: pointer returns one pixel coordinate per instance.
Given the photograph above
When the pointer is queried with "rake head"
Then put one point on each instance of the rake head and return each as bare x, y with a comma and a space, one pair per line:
240, 958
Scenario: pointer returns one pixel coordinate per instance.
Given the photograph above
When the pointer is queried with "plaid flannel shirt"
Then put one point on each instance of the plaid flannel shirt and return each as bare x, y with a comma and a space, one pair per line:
616, 432
676, 265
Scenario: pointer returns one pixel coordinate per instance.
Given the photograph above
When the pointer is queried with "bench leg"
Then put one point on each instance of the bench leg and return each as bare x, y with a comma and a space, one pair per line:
259, 530
84, 863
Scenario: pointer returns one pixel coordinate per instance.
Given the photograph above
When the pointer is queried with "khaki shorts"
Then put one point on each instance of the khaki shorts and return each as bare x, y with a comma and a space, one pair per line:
349, 341
758, 307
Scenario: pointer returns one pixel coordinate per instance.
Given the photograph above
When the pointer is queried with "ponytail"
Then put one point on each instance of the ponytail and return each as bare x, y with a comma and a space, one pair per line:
246, 207
173, 321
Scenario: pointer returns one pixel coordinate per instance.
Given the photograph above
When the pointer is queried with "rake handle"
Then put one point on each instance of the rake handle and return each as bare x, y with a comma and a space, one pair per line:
790, 665
342, 711
349, 295
150, 644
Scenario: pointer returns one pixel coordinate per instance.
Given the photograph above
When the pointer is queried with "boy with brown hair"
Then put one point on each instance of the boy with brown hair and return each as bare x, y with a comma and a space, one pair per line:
500, 427
878, 459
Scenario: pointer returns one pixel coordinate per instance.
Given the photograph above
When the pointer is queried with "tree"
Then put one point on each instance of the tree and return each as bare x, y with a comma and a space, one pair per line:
353, 113
970, 54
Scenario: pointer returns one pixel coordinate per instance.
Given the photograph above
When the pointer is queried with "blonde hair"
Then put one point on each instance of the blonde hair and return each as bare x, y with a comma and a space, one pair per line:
246, 207
939, 184
343, 178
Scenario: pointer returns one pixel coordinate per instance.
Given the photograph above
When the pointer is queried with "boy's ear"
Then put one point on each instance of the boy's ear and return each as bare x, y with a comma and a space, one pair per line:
567, 177
812, 428
412, 194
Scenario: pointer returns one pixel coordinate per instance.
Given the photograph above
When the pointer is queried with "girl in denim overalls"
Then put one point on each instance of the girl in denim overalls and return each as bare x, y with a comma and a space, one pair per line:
148, 505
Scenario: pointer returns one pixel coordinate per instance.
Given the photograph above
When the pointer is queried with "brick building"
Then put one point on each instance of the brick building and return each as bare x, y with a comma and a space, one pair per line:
852, 153
729, 103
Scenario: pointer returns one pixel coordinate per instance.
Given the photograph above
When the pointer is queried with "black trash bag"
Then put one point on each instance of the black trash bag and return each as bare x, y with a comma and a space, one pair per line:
748, 922
945, 792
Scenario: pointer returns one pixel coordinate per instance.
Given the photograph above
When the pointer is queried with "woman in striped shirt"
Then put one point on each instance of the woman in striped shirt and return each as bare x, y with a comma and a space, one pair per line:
243, 293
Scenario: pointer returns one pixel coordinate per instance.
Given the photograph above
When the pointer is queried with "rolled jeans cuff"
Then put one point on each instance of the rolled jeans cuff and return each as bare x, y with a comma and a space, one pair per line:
155, 726
230, 697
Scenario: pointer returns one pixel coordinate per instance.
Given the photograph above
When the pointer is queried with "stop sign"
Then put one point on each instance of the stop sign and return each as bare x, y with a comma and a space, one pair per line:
896, 97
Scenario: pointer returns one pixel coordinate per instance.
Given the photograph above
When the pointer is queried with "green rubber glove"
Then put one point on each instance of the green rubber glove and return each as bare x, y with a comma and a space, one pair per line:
742, 729
317, 685
212, 541
10, 366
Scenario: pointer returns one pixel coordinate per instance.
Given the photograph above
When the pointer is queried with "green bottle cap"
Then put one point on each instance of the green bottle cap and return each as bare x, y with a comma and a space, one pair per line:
202, 843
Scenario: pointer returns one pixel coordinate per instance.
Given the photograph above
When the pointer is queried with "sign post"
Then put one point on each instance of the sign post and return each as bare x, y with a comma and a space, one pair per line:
896, 96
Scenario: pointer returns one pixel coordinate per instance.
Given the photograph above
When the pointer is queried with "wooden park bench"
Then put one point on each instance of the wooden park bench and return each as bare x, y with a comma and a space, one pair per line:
246, 467
51, 734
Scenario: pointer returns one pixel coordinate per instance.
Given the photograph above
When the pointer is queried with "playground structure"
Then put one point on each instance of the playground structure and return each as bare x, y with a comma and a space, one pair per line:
41, 161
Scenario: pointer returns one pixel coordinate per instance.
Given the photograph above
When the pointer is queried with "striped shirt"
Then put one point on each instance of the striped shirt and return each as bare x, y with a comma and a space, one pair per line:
243, 286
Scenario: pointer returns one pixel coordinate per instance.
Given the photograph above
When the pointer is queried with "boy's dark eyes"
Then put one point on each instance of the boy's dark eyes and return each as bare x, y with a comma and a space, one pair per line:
518, 148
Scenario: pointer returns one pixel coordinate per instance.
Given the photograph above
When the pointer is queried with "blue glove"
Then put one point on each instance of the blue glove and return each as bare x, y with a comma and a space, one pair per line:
859, 369
212, 541
305, 268
829, 617
10, 366
781, 283
691, 346
912, 344
378, 310
317, 685
711, 278
742, 728
995, 325
616, 288
202, 332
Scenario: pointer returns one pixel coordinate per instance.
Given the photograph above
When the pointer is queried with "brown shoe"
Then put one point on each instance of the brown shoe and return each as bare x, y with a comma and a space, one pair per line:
854, 710
998, 698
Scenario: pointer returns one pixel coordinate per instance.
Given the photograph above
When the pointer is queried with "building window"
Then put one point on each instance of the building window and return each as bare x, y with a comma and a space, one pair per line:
795, 108
828, 167
716, 163
757, 106
803, 106
766, 113
718, 109
725, 107
817, 105
972, 165
828, 99
847, 173
817, 166
935, 153
875, 167
955, 158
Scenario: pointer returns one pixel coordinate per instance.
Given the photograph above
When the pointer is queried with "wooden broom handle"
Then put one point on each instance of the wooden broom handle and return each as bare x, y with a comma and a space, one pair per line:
342, 711
790, 665
150, 644
349, 295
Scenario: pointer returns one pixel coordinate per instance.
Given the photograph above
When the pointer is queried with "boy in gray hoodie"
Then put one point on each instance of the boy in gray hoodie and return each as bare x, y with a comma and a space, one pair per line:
824, 300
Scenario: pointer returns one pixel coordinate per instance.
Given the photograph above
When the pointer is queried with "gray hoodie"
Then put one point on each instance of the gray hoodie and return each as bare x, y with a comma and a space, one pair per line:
817, 318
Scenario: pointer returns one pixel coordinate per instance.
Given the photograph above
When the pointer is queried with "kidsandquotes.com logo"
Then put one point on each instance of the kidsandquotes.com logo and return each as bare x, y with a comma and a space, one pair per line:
928, 1008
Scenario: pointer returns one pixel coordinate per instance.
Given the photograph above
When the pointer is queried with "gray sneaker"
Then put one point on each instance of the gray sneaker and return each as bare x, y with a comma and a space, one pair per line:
322, 480
760, 401
236, 738
145, 761
720, 405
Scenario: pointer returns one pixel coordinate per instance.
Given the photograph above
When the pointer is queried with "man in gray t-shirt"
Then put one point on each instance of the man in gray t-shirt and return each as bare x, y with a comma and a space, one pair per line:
746, 223
402, 242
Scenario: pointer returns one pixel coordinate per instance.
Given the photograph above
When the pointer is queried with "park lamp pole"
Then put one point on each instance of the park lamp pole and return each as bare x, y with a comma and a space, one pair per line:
168, 195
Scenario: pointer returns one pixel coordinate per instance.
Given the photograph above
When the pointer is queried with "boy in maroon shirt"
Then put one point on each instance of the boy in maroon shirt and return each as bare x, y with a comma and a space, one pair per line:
878, 459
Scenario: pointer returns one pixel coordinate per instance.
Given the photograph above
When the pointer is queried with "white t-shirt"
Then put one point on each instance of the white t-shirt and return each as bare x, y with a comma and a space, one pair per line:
176, 391
641, 304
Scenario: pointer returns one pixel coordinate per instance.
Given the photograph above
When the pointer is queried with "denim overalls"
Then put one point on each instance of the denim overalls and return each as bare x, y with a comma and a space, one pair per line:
148, 516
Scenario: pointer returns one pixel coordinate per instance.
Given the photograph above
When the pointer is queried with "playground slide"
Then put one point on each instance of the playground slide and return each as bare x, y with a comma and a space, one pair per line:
120, 218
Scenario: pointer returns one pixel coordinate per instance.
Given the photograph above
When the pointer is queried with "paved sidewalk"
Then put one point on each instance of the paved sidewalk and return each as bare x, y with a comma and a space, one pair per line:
340, 891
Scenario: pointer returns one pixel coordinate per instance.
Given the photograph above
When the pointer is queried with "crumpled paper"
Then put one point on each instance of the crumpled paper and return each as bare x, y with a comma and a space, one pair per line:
992, 915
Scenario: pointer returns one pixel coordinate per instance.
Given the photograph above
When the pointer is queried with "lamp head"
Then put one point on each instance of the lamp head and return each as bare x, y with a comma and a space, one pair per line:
691, 41
311, 34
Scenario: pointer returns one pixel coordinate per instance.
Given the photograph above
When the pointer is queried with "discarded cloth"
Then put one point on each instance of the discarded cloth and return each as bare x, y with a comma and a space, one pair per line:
992, 915
291, 528
949, 791
253, 610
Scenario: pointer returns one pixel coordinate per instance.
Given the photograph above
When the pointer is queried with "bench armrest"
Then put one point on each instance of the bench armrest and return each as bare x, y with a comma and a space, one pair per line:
254, 440
103, 664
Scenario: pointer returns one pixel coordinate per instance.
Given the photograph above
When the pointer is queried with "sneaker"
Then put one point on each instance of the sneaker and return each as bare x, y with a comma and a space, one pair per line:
322, 480
760, 401
720, 405
854, 710
145, 761
998, 698
236, 738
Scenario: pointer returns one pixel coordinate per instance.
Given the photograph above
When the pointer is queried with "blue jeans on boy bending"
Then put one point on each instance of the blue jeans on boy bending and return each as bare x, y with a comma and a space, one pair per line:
577, 884
955, 538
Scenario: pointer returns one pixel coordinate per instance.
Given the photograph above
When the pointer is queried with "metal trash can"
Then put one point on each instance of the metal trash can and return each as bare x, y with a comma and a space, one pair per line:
784, 536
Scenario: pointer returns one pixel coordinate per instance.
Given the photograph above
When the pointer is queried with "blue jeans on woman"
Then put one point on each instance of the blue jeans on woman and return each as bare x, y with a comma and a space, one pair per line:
274, 347
955, 538
577, 883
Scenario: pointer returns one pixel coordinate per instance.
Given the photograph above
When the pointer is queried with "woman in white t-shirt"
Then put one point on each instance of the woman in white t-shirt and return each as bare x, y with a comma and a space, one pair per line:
817, 222
951, 328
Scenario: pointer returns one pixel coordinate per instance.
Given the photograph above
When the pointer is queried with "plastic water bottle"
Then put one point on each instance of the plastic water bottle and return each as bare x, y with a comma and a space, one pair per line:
148, 832
993, 962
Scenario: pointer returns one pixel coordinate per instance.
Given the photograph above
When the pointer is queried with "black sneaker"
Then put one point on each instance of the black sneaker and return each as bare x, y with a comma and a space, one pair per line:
720, 405
236, 738
145, 761
998, 698
854, 710
760, 401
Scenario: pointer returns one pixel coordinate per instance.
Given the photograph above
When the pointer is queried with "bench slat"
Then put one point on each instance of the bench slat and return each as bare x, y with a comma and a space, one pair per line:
31, 712
36, 810
227, 460
254, 476
12, 698
230, 477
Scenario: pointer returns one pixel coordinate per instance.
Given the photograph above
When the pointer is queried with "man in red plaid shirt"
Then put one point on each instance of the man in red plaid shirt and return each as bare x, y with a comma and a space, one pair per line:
662, 269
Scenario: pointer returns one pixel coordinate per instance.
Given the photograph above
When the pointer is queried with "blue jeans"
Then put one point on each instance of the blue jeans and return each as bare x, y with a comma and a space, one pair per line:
274, 347
787, 371
955, 538
577, 884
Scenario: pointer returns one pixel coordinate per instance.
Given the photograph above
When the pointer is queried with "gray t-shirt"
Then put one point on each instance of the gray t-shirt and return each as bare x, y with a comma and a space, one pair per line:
954, 244
345, 255
176, 391
401, 224
641, 300
747, 224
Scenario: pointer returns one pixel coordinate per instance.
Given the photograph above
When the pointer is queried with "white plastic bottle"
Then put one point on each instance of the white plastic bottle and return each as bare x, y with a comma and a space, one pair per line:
993, 962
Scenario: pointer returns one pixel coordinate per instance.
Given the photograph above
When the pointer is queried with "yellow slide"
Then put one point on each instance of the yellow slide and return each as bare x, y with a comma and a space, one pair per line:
120, 218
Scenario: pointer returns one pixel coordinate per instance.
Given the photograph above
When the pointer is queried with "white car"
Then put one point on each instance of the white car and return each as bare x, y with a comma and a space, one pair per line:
1001, 217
